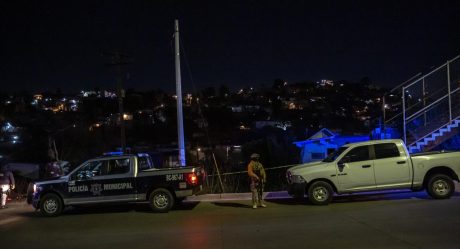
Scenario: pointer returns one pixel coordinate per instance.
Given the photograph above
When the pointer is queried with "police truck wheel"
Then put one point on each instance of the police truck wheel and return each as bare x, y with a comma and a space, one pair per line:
161, 200
440, 186
320, 193
51, 205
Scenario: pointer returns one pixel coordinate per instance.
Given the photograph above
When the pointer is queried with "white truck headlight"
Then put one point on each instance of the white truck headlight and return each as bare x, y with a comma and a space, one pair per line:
297, 179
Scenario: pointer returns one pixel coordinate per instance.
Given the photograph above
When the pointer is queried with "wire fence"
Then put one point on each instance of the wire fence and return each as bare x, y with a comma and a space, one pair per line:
237, 182
232, 182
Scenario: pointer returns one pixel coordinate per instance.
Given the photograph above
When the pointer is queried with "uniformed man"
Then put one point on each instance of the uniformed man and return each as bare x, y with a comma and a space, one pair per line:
6, 182
257, 177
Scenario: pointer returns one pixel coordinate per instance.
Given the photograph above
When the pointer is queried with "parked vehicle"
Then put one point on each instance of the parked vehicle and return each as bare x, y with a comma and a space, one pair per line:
372, 166
119, 178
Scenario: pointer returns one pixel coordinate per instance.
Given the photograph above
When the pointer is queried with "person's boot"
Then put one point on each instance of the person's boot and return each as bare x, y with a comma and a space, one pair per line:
254, 199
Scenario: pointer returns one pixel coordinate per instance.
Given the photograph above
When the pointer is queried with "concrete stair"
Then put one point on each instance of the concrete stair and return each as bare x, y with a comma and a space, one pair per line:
436, 137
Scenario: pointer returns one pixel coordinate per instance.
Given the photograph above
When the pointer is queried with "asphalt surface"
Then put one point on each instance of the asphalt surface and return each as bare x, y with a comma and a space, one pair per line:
395, 220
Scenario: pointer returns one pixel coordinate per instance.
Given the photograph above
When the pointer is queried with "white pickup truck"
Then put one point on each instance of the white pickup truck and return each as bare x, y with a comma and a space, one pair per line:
373, 166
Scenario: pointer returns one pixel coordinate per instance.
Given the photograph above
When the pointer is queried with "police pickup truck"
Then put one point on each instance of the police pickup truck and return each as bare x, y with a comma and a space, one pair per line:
121, 178
373, 166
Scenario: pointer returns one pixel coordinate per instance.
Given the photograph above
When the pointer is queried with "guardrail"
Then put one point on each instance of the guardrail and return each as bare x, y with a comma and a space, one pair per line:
427, 102
238, 181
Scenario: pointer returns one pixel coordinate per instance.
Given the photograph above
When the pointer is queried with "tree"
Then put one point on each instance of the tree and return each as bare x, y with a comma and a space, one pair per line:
278, 84
208, 92
223, 91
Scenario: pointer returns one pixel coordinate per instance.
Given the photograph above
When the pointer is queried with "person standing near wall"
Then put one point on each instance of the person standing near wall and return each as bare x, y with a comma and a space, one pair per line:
257, 179
6, 183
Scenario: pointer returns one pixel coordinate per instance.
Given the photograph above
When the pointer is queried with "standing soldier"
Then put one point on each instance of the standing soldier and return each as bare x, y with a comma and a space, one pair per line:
257, 177
6, 182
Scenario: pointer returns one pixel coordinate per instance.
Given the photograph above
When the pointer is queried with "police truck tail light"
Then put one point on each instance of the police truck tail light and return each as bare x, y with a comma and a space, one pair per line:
192, 179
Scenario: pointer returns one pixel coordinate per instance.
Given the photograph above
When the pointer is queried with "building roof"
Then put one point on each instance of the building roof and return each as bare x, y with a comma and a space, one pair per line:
326, 136
323, 133
319, 136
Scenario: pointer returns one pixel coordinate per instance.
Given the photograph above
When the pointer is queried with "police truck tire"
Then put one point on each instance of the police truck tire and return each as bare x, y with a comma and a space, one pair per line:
161, 200
51, 205
320, 193
440, 186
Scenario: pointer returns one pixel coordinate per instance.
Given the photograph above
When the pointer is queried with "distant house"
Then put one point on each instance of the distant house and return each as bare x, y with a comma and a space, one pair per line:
277, 124
318, 146
237, 108
245, 108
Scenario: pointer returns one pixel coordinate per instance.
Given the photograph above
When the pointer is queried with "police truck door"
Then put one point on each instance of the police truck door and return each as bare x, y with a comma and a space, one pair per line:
104, 180
80, 187
117, 183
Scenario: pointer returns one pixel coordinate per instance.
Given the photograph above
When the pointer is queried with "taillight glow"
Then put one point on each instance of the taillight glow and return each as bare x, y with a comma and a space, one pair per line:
192, 179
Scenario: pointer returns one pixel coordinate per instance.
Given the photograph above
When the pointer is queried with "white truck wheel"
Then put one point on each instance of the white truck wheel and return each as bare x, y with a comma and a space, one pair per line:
320, 193
440, 186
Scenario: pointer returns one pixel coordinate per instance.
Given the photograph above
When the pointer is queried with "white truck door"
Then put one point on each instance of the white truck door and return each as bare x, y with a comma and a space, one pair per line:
391, 167
356, 170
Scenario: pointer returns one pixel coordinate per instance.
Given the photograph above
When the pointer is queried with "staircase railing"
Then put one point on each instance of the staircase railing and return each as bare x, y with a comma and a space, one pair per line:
426, 103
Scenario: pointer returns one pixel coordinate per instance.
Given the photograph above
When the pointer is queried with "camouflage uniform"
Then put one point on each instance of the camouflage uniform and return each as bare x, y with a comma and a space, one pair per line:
257, 177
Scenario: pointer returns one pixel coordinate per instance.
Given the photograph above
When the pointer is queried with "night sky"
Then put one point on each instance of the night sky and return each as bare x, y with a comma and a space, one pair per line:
46, 45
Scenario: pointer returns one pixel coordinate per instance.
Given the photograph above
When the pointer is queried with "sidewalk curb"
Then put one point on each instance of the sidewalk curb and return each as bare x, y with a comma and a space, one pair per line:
10, 214
10, 220
267, 195
236, 196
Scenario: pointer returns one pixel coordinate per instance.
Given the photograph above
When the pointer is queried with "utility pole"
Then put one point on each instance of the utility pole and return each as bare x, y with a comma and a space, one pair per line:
118, 60
180, 122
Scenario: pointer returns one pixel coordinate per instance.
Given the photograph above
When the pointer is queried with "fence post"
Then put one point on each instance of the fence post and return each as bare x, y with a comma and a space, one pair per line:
404, 112
424, 102
448, 91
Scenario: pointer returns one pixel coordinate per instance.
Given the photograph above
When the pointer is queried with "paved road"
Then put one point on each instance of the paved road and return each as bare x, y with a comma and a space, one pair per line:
398, 220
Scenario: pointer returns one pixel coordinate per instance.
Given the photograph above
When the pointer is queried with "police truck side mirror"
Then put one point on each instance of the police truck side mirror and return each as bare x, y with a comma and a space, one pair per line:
82, 175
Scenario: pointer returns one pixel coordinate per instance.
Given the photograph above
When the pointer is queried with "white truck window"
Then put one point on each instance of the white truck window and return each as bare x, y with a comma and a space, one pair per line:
332, 156
360, 153
386, 150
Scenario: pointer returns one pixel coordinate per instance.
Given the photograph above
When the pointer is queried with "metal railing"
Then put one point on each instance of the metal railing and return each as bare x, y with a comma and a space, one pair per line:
428, 102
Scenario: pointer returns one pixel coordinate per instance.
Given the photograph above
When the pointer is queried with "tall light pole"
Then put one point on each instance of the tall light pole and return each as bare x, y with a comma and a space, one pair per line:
180, 121
121, 95
118, 60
